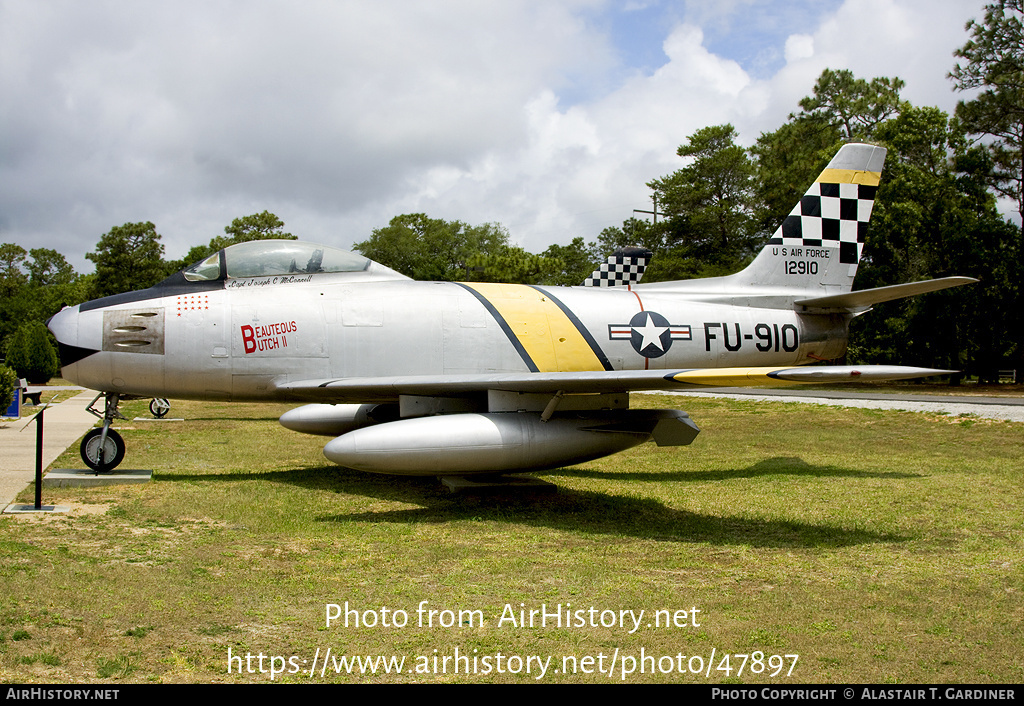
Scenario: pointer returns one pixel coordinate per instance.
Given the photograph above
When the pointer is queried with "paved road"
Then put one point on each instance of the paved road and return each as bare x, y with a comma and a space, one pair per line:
63, 425
1009, 408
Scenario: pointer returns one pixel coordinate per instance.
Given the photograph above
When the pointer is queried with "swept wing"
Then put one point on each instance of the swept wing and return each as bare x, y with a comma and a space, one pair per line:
388, 389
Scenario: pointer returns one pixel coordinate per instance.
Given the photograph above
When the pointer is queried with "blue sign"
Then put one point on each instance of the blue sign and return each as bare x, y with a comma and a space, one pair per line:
15, 409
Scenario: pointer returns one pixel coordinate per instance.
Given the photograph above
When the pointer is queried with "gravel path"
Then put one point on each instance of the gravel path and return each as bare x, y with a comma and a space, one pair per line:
954, 406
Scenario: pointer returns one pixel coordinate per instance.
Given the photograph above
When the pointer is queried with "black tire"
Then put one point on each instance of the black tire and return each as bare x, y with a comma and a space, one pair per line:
159, 407
113, 450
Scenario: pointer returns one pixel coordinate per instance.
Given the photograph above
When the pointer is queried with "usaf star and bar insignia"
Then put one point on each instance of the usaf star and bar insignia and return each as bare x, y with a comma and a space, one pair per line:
649, 333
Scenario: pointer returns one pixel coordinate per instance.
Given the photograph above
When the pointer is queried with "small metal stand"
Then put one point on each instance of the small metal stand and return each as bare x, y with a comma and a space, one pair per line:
38, 507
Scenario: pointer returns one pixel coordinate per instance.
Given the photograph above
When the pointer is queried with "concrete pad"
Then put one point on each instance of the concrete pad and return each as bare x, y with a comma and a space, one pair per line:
85, 478
23, 509
63, 425
462, 484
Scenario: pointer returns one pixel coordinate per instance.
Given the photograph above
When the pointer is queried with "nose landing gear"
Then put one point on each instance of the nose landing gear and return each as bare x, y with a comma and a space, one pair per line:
103, 449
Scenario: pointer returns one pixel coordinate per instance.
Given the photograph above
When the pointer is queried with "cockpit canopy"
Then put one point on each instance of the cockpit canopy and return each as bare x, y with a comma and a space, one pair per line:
262, 258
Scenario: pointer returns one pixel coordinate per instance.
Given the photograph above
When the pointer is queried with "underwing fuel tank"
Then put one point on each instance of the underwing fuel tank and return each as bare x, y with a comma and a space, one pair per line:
335, 419
463, 444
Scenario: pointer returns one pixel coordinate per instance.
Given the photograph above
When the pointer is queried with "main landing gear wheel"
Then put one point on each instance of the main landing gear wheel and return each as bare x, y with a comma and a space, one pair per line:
159, 407
112, 448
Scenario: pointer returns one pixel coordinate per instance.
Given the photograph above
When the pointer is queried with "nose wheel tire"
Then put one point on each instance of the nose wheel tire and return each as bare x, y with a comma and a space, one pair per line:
113, 450
159, 407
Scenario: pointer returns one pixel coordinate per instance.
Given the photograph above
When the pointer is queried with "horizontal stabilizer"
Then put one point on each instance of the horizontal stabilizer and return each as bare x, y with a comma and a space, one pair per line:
623, 268
866, 298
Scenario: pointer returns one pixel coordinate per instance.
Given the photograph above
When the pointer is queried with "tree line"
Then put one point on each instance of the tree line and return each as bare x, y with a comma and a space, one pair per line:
935, 215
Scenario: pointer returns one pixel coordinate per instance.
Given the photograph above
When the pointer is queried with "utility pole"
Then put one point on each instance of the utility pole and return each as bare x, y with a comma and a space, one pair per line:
655, 212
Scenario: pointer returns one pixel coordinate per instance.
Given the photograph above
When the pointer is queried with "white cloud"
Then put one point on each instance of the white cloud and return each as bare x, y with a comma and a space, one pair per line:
339, 115
799, 46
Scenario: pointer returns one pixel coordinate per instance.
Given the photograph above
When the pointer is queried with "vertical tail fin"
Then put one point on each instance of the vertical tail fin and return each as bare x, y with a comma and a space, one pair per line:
624, 267
819, 245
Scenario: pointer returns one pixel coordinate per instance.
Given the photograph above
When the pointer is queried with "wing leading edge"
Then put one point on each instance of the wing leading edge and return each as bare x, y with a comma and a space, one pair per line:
385, 389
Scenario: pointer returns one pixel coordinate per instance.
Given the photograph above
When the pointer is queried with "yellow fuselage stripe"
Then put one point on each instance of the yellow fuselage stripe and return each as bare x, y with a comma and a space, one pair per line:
544, 331
849, 176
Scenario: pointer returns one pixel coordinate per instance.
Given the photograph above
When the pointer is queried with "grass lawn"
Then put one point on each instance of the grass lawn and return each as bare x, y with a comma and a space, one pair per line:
877, 546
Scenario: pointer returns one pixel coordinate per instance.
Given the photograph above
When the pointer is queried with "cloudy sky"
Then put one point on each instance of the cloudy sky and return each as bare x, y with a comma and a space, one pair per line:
547, 116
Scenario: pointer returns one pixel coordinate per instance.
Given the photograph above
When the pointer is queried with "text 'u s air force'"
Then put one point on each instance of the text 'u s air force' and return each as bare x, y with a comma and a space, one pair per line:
561, 615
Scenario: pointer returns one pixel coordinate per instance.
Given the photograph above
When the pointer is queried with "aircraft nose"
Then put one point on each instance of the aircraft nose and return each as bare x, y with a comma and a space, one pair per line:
64, 326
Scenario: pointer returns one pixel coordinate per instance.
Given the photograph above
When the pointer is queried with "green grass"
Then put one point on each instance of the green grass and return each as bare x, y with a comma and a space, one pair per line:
879, 546
119, 667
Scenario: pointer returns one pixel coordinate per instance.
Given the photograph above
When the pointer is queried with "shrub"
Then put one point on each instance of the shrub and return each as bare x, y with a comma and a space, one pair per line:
8, 381
31, 354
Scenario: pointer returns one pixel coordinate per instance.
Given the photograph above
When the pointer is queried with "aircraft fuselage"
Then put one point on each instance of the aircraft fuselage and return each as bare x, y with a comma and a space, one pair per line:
241, 340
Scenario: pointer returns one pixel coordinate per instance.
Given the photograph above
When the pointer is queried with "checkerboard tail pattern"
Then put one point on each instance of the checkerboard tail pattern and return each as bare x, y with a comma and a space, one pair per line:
830, 215
623, 268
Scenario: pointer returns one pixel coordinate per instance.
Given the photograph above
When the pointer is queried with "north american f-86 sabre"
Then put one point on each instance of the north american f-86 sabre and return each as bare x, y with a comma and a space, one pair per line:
461, 378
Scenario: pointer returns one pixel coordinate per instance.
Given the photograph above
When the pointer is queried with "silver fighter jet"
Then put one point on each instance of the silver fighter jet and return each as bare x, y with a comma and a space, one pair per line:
460, 378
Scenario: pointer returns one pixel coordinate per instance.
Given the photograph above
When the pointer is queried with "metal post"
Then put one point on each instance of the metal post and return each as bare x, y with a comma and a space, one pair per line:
39, 458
